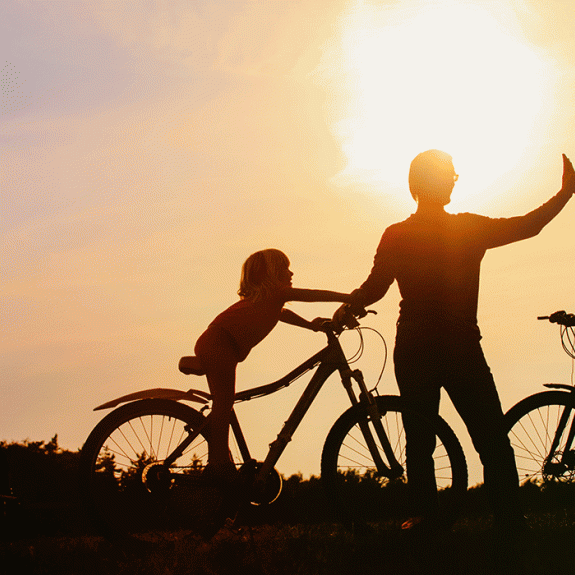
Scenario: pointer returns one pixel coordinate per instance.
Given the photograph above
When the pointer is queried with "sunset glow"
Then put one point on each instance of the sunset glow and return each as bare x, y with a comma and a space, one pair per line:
448, 76
149, 147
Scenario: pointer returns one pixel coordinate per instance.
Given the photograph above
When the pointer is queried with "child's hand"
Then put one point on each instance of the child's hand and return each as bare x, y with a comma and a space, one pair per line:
317, 323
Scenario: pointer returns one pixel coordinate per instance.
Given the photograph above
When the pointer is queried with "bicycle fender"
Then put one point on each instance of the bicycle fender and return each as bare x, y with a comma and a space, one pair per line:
559, 386
160, 392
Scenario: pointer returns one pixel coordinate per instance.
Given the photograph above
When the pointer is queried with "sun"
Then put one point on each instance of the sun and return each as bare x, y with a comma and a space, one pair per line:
448, 75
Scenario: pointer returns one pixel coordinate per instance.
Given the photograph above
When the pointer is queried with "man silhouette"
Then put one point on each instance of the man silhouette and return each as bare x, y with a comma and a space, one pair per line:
435, 258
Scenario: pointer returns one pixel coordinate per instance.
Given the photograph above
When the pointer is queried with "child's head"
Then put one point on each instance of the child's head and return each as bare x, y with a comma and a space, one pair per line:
262, 273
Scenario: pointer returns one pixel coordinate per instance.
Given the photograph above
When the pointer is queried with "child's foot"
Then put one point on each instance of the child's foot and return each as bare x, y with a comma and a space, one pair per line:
224, 479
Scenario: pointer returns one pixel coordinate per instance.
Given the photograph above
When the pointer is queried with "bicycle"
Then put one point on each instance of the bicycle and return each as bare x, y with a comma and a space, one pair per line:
541, 427
141, 467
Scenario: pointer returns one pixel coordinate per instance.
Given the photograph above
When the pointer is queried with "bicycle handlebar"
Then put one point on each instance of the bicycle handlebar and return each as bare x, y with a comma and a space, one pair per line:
346, 317
560, 317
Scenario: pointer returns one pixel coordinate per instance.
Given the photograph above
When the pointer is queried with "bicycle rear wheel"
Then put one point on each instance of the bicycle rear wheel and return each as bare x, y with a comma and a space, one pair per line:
532, 426
124, 481
350, 476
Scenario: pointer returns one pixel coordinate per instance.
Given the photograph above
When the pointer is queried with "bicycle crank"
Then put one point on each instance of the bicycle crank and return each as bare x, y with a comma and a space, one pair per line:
559, 467
157, 478
261, 494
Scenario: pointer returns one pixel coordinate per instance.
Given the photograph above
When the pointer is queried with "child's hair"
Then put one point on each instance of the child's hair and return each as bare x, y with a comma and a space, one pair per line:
261, 273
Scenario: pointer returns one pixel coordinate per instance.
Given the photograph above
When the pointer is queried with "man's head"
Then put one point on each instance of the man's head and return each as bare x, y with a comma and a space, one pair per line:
432, 177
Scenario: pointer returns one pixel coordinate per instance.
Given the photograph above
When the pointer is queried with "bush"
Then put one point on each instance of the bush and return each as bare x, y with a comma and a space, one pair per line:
39, 489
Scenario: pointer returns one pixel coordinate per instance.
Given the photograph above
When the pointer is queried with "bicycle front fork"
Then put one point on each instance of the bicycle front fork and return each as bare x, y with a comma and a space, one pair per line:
393, 469
559, 463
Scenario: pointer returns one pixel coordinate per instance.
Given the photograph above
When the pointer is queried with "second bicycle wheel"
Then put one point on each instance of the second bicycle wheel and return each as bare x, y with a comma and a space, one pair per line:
125, 482
351, 480
533, 424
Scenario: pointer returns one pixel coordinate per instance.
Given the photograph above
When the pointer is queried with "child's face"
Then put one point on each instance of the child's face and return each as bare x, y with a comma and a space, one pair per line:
285, 276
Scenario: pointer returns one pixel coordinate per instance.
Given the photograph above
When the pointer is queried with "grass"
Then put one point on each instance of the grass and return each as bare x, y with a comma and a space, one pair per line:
297, 536
470, 548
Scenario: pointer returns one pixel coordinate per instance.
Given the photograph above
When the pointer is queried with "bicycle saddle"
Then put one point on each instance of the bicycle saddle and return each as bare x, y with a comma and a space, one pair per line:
191, 365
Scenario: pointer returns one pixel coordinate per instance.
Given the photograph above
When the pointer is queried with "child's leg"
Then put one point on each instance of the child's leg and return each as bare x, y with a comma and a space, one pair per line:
221, 381
219, 358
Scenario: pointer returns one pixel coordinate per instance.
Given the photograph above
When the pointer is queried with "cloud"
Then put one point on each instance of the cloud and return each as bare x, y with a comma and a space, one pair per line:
266, 37
178, 37
277, 38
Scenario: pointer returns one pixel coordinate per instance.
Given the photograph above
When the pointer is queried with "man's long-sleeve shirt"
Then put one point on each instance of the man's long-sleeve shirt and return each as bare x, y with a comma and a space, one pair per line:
436, 261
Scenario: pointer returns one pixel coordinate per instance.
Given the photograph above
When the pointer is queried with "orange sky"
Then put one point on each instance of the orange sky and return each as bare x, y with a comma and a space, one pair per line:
149, 147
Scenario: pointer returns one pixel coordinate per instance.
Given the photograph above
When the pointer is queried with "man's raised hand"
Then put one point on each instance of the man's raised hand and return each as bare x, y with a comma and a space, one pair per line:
568, 175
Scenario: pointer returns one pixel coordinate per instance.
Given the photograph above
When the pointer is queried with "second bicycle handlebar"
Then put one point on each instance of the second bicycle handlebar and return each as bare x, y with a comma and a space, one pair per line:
560, 317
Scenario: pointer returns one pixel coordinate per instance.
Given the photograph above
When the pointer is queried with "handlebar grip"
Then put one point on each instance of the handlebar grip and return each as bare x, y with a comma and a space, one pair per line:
561, 317
542, 317
346, 317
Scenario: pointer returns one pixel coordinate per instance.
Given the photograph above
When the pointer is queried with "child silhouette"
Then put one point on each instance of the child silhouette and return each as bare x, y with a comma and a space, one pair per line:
265, 287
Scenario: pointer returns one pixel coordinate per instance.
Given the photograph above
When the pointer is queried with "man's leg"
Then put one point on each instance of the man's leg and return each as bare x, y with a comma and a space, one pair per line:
414, 373
474, 395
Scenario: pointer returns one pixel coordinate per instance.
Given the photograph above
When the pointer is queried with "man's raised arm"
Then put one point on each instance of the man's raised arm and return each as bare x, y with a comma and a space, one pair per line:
508, 230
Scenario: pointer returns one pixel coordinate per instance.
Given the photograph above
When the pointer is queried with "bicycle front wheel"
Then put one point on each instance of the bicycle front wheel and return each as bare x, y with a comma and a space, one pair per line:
125, 483
359, 494
533, 426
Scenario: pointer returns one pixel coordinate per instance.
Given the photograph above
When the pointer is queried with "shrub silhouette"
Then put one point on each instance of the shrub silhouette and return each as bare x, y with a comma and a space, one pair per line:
40, 488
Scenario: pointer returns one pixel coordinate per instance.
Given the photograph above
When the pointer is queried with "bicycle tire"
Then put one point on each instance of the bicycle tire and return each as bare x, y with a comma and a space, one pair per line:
351, 482
128, 492
532, 425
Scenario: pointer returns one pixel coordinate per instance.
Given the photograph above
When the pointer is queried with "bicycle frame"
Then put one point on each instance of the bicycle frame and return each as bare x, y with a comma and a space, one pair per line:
542, 434
566, 460
328, 360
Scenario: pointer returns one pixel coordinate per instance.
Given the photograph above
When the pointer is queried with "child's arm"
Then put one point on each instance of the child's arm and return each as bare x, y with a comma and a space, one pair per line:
297, 294
288, 316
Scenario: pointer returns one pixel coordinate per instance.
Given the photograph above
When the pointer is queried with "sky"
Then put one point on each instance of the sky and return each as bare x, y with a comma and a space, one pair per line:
147, 148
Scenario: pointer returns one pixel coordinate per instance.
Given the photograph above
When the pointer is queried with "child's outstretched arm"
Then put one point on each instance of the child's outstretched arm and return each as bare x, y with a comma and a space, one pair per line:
297, 294
288, 316
310, 295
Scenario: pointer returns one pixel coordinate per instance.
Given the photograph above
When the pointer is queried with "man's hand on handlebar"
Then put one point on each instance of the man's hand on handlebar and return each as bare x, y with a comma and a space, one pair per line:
345, 316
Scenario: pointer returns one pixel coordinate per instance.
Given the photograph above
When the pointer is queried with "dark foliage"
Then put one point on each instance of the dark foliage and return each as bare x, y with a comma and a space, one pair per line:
40, 472
39, 488
40, 496
44, 532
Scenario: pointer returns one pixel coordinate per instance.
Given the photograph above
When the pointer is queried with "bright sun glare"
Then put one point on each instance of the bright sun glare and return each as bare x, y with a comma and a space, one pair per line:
446, 76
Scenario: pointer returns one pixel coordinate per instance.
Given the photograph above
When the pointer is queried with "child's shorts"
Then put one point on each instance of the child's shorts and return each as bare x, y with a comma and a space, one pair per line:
216, 346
